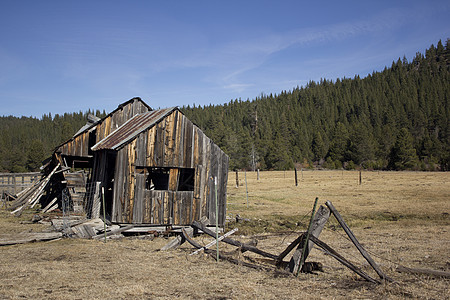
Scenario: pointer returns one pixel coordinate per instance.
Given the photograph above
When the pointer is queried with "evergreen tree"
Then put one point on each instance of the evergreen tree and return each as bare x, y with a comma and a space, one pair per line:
403, 155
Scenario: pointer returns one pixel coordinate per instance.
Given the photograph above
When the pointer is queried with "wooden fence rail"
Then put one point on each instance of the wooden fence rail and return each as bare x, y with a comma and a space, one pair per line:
16, 182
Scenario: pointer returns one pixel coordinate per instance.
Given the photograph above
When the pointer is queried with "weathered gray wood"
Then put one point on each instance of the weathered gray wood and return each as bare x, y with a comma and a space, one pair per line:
36, 194
318, 223
423, 271
289, 249
179, 239
330, 251
300, 255
113, 232
12, 239
213, 254
45, 209
214, 242
203, 228
352, 237
95, 209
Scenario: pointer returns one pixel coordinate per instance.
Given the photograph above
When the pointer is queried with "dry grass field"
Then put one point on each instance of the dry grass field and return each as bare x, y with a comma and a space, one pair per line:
401, 218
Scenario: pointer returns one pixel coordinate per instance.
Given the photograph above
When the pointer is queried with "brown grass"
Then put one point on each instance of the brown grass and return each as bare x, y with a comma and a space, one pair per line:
400, 217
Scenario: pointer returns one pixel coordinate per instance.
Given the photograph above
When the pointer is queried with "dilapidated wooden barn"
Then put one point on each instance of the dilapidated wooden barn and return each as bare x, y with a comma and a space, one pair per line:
155, 166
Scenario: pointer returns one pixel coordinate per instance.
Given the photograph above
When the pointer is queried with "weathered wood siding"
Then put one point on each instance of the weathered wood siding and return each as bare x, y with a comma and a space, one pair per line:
174, 142
79, 145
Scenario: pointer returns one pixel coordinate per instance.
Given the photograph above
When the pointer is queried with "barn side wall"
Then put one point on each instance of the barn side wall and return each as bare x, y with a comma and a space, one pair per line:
174, 142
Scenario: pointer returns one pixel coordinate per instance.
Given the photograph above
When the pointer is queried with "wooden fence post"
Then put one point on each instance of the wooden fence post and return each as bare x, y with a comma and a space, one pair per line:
237, 179
296, 180
246, 188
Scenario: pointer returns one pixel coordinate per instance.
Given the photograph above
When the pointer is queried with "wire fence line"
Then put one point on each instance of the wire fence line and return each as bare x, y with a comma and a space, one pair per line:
81, 202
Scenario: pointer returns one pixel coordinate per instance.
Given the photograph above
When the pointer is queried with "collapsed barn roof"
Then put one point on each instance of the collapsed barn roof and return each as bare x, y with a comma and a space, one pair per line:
132, 128
155, 167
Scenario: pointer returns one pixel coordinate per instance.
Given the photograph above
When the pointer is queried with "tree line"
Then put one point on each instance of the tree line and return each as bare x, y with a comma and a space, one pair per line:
396, 119
25, 142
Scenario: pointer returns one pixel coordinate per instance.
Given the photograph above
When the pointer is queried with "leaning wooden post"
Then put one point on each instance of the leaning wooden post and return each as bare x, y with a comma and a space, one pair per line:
352, 237
305, 244
296, 181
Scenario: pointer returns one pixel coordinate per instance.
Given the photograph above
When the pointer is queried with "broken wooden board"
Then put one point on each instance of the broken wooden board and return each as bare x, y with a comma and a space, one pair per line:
203, 228
214, 242
213, 253
318, 223
61, 223
112, 232
423, 271
178, 240
22, 238
88, 229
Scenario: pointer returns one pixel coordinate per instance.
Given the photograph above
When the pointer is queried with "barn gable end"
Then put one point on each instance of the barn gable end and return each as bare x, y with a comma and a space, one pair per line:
164, 170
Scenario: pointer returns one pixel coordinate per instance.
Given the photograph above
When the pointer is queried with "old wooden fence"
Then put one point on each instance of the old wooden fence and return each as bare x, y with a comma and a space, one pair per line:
15, 182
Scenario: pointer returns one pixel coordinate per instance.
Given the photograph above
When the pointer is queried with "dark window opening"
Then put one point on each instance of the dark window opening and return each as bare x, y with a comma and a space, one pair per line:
157, 179
186, 179
92, 141
163, 178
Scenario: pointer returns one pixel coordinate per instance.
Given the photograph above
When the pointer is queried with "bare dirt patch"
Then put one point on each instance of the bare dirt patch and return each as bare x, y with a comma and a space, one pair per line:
399, 217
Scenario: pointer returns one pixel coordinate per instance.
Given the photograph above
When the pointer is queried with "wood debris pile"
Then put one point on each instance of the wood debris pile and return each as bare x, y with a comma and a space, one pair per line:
302, 243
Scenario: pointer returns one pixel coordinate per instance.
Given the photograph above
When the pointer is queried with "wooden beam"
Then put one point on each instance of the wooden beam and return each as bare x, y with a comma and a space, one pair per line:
12, 239
330, 251
289, 249
212, 253
300, 255
213, 242
317, 225
352, 237
112, 232
203, 228
178, 240
423, 271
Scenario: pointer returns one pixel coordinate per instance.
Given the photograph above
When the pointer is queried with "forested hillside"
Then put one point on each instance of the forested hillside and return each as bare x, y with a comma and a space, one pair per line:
25, 142
394, 119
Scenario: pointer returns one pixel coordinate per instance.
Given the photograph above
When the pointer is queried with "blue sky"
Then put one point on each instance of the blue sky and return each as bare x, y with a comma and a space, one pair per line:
70, 56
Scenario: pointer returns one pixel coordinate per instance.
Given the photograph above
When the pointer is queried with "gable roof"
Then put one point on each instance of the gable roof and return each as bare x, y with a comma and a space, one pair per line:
93, 121
130, 129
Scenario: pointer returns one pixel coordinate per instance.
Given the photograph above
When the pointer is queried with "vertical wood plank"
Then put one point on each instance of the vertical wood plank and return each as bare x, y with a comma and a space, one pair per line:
176, 208
150, 161
138, 209
173, 179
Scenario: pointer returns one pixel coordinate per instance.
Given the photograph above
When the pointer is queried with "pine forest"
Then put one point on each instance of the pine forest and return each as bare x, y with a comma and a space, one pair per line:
395, 119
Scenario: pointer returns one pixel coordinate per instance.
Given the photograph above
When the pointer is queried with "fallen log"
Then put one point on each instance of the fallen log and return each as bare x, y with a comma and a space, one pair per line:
423, 271
230, 241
